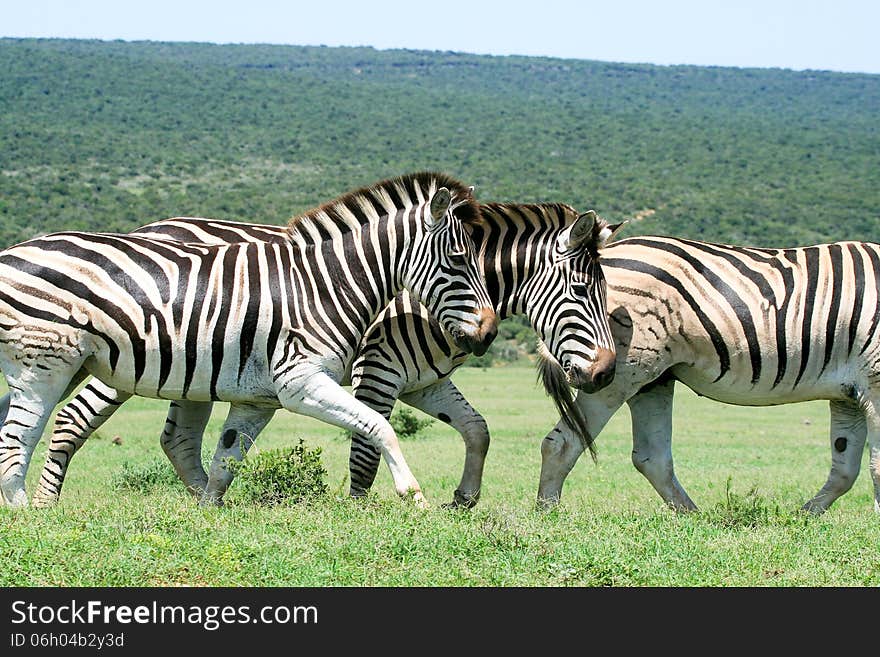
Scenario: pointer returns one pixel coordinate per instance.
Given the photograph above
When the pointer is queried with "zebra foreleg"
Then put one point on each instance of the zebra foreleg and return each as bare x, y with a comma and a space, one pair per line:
182, 442
314, 393
74, 423
848, 433
651, 413
243, 424
445, 402
562, 447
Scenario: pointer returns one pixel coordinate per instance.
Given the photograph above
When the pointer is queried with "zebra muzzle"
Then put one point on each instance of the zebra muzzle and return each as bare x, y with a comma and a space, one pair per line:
477, 340
593, 377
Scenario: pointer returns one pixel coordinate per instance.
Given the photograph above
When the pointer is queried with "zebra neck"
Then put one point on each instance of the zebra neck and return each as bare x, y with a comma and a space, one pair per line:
360, 271
510, 266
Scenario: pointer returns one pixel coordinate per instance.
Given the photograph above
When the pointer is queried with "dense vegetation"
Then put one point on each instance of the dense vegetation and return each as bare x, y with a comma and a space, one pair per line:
111, 135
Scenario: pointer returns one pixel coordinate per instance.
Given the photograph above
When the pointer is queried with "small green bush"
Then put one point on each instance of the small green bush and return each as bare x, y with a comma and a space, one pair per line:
279, 476
145, 477
406, 424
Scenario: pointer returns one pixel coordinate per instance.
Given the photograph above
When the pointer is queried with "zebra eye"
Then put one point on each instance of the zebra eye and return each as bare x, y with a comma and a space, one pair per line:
457, 258
580, 289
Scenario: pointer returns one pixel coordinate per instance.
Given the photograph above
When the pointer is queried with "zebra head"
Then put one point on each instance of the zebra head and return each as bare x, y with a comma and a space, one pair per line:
444, 274
572, 318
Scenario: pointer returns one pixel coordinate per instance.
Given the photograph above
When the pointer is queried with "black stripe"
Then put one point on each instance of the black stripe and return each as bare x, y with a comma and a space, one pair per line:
277, 260
727, 253
226, 292
104, 398
875, 265
252, 313
191, 338
858, 293
812, 271
836, 257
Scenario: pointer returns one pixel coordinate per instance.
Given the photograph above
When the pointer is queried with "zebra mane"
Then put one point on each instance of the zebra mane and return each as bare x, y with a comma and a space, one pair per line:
356, 206
552, 377
560, 216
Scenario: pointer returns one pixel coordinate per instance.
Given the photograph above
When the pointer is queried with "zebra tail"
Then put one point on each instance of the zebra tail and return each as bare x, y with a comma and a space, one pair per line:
553, 378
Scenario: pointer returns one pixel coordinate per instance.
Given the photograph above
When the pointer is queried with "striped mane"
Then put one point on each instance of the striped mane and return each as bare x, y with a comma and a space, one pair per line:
542, 216
561, 215
355, 208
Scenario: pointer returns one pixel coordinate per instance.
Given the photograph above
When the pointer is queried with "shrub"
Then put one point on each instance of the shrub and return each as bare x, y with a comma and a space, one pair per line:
279, 476
145, 477
406, 424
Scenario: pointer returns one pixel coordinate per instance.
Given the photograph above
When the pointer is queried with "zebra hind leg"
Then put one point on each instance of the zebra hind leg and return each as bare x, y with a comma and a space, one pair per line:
243, 424
871, 405
848, 433
182, 442
444, 401
74, 424
30, 407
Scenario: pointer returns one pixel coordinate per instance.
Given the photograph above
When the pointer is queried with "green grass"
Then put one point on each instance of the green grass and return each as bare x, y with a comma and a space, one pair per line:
748, 469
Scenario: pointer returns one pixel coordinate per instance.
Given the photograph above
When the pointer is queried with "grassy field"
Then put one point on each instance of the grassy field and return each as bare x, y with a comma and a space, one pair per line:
748, 469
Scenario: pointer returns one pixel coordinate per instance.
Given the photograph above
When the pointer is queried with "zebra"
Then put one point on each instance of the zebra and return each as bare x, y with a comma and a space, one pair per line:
744, 326
526, 253
261, 325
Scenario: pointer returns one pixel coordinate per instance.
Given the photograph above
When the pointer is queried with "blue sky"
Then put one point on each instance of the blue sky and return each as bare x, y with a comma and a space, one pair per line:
837, 35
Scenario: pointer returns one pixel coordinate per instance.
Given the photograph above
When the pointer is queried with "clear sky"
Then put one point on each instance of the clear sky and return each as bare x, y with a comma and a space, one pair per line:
837, 35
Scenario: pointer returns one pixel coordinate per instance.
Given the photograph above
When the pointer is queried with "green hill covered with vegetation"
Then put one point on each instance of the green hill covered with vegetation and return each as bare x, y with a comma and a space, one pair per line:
109, 135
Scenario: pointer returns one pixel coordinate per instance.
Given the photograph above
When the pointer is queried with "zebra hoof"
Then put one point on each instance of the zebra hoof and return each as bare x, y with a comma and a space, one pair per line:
44, 502
416, 497
463, 500
18, 500
813, 508
546, 503
208, 501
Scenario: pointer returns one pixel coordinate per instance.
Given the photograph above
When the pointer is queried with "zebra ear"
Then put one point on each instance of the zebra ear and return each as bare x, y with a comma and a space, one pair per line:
608, 232
580, 230
440, 203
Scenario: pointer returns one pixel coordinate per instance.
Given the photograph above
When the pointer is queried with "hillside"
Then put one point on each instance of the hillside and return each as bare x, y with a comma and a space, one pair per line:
109, 135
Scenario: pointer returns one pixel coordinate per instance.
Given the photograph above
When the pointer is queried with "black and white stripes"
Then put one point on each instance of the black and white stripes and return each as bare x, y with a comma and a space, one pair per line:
262, 325
539, 260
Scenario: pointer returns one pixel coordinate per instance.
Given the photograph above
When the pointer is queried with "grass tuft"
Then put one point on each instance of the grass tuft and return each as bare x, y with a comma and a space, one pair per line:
145, 477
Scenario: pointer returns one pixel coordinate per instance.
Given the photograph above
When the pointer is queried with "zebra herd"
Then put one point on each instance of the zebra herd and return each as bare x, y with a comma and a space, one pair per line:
389, 288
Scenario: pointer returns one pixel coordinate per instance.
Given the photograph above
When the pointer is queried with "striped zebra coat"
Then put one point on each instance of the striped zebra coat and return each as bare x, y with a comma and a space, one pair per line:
521, 250
256, 324
744, 326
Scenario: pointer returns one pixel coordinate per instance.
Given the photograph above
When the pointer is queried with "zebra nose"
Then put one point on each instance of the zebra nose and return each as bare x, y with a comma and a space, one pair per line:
602, 372
597, 376
487, 329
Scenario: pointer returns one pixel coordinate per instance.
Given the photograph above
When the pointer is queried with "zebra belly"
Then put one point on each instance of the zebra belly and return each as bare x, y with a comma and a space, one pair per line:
224, 380
763, 393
